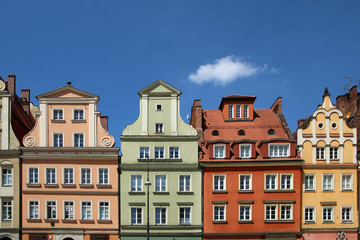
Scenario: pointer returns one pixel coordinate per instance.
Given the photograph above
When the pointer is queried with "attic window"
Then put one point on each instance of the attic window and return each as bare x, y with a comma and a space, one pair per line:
158, 107
271, 132
241, 132
215, 133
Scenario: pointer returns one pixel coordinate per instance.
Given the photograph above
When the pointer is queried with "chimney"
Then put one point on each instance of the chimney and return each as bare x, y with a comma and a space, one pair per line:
353, 98
197, 119
11, 84
277, 106
104, 121
25, 99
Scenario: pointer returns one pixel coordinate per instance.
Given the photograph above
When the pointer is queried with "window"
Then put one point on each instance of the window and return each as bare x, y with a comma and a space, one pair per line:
320, 153
136, 216
136, 183
6, 210
184, 183
158, 107
241, 132
286, 181
346, 214
309, 215
238, 111
328, 182
159, 152
231, 111
7, 177
271, 212
103, 176
58, 140
328, 214
245, 213
68, 176
34, 210
279, 150
174, 152
78, 140
144, 153
334, 153
78, 114
160, 183
245, 151
245, 182
286, 212
86, 211
58, 114
309, 181
346, 182
271, 132
160, 216
246, 111
68, 210
159, 128
51, 209
270, 181
104, 211
85, 176
184, 215
50, 176
219, 151
219, 213
219, 182
215, 133
33, 176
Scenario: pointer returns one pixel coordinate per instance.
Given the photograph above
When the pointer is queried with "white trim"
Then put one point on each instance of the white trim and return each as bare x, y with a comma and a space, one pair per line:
276, 211
109, 209
250, 212
142, 215
178, 152
45, 174
332, 182
190, 182
166, 182
291, 181
39, 208
53, 138
84, 167
291, 213
38, 174
351, 220
314, 214
332, 214
164, 152
78, 109
190, 217
91, 210
223, 152
219, 205
250, 182
314, 182
53, 109
279, 144
149, 152
79, 133
141, 184
276, 181
219, 175
108, 175
74, 210
166, 215
73, 173
351, 181
250, 150
46, 209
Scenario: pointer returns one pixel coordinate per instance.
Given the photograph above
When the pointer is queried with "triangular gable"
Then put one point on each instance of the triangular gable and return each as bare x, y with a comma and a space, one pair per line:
159, 87
67, 92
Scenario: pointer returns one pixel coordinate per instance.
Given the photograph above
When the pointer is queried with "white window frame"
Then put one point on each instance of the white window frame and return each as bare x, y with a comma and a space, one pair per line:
38, 175
46, 176
74, 115
320, 153
246, 110
53, 139
224, 180
250, 212
245, 146
276, 212
276, 181
65, 177
334, 153
313, 220
159, 127
81, 174
277, 154
291, 211
9, 217
231, 111
178, 152
185, 218
291, 181
107, 176
136, 183
218, 219
314, 182
163, 157
332, 182
58, 109
350, 220
46, 210
250, 182
72, 213
37, 207
332, 214
156, 107
8, 176
80, 134
136, 218
166, 215
238, 111
108, 207
162, 183
141, 153
91, 210
184, 183
223, 152
351, 182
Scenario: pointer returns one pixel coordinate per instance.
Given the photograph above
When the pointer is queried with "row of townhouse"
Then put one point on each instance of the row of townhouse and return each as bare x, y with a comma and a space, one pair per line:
235, 172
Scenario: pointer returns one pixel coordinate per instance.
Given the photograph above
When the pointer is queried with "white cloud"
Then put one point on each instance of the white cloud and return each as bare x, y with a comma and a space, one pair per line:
275, 71
224, 71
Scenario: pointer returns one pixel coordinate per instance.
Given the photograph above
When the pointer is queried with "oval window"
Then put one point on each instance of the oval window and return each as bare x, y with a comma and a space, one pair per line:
320, 125
215, 133
271, 132
241, 132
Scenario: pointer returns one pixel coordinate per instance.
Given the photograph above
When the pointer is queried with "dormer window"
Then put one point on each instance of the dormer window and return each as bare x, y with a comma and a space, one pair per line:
78, 114
58, 114
231, 111
219, 151
246, 111
245, 150
238, 111
279, 150
215, 133
159, 128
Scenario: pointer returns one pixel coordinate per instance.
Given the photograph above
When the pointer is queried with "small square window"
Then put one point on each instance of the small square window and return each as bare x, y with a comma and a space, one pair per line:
245, 151
286, 212
159, 128
271, 212
78, 114
58, 114
158, 107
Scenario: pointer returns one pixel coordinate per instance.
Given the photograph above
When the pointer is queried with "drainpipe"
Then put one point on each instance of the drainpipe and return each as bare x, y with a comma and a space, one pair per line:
20, 196
119, 198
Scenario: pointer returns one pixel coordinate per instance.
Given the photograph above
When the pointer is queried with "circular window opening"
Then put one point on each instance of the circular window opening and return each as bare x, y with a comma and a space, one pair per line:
215, 133
241, 132
320, 125
271, 132
334, 125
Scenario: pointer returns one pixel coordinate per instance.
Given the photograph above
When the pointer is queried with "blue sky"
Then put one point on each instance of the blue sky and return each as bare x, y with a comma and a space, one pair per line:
207, 49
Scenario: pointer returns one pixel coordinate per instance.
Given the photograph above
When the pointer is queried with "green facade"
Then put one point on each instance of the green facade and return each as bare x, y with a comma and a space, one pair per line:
170, 161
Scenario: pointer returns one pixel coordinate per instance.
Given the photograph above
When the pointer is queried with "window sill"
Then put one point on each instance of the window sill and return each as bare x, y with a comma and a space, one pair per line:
279, 190
219, 191
245, 222
220, 222
347, 221
51, 185
161, 193
137, 193
309, 222
57, 121
185, 193
78, 121
37, 220
103, 185
245, 191
86, 221
86, 185
52, 220
346, 190
312, 190
6, 186
328, 222
37, 185
185, 224
332, 190
104, 221
159, 160
69, 221
279, 221
68, 185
